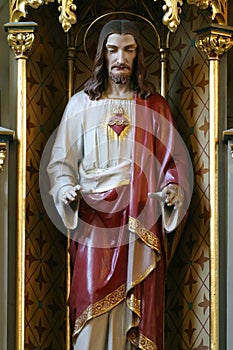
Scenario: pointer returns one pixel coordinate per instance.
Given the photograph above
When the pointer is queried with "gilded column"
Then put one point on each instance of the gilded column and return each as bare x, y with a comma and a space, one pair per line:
164, 54
20, 39
71, 69
214, 41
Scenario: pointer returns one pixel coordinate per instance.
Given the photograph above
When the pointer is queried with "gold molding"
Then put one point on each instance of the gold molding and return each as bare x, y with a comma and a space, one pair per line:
172, 9
20, 39
219, 8
214, 41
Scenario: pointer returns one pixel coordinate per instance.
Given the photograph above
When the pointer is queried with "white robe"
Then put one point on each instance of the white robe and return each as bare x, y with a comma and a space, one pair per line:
88, 152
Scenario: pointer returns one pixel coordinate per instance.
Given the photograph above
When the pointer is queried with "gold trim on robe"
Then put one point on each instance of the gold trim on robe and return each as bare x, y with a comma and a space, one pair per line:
100, 307
145, 235
134, 304
144, 343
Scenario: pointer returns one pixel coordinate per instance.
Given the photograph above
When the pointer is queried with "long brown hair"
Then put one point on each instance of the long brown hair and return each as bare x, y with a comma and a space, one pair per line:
95, 86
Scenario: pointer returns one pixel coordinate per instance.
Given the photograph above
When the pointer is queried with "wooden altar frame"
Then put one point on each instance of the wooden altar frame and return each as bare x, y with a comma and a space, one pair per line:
214, 41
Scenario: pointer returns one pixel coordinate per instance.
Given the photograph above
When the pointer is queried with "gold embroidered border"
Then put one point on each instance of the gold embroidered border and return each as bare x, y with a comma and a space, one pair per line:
143, 343
99, 308
134, 305
146, 344
145, 235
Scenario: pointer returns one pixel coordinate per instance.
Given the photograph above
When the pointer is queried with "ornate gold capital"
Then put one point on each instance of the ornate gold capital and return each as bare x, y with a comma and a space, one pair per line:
218, 7
21, 37
21, 43
172, 9
214, 41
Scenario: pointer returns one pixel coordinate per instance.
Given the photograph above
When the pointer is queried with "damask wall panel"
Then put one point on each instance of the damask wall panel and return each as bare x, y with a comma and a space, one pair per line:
188, 284
45, 246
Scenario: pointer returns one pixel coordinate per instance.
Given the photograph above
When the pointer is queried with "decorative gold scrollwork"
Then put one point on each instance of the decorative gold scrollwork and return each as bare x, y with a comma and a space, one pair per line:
218, 7
18, 8
67, 16
172, 9
3, 149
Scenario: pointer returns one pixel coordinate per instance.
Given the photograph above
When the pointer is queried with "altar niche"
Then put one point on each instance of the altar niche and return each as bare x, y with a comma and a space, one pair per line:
58, 65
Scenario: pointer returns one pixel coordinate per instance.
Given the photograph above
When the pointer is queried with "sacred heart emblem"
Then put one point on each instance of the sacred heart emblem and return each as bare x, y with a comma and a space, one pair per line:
118, 122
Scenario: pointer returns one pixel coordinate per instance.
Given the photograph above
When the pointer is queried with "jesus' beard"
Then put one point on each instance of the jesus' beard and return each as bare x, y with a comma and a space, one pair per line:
119, 78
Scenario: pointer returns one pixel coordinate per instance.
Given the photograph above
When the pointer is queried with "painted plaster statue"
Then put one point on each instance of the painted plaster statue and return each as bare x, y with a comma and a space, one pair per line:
119, 180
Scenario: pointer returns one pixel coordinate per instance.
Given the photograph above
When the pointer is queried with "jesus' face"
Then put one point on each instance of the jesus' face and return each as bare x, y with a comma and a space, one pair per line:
121, 50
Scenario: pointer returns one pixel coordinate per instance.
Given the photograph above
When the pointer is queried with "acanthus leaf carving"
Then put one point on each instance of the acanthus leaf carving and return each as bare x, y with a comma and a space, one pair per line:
214, 45
21, 43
